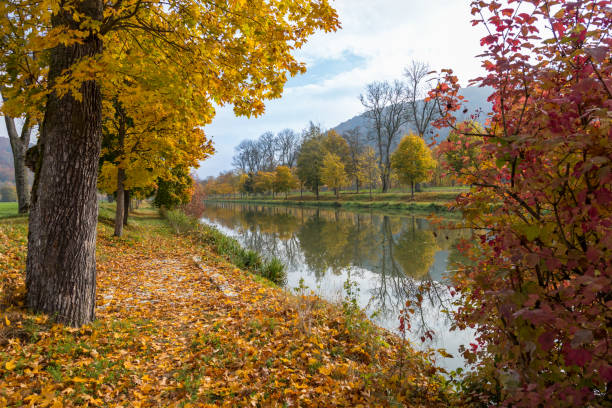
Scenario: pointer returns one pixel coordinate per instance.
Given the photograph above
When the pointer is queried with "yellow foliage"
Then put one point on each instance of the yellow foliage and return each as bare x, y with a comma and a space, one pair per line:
412, 160
332, 171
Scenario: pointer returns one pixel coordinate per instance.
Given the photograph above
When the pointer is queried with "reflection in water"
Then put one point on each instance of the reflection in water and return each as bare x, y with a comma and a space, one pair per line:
389, 256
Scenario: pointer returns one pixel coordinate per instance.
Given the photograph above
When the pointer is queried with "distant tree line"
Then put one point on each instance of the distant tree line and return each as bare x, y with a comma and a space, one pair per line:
375, 157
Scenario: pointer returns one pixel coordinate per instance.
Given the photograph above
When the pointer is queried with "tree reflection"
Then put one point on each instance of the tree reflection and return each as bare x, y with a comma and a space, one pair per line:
399, 251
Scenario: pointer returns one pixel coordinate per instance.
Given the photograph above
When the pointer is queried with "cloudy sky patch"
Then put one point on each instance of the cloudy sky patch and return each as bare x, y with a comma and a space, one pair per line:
377, 40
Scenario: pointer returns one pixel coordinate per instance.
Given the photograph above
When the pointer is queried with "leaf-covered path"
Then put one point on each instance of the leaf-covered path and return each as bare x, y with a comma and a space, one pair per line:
170, 332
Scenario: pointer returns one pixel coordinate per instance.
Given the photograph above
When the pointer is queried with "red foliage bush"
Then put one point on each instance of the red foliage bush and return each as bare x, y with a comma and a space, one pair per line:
195, 207
538, 286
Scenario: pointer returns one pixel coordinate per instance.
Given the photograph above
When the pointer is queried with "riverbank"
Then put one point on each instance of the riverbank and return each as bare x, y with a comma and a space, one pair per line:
179, 325
437, 200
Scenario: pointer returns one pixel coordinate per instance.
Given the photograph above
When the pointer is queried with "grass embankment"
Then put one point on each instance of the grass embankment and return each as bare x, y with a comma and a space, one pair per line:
431, 200
8, 210
165, 335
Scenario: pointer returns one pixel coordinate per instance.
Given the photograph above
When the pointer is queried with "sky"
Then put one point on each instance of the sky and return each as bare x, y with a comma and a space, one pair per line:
377, 40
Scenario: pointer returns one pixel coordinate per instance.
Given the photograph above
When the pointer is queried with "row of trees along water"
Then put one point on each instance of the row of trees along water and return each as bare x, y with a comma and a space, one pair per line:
370, 158
318, 158
120, 91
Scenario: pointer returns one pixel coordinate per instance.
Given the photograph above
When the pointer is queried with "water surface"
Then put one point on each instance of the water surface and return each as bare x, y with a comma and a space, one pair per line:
387, 256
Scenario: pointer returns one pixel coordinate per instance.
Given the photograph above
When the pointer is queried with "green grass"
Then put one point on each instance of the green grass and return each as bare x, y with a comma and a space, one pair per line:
431, 199
413, 207
8, 210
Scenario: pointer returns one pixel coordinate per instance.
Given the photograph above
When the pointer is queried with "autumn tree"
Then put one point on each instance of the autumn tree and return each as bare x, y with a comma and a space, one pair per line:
287, 145
284, 180
462, 153
310, 160
356, 146
248, 158
195, 207
199, 36
421, 111
536, 286
22, 81
247, 183
385, 105
175, 191
267, 147
412, 161
264, 182
147, 129
336, 144
20, 142
332, 172
368, 170
8, 193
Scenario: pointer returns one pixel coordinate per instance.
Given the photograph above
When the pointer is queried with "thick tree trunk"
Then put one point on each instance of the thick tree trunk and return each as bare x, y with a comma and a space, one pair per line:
61, 265
126, 206
120, 208
19, 146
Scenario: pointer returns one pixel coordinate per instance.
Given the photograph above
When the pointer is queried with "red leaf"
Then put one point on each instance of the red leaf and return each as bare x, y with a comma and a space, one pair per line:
577, 357
547, 340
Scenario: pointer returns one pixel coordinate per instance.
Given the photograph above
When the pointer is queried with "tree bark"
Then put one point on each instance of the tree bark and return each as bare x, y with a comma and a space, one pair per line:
19, 146
120, 207
126, 206
61, 265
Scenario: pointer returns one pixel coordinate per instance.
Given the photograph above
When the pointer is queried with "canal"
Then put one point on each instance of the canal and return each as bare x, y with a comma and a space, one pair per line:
389, 259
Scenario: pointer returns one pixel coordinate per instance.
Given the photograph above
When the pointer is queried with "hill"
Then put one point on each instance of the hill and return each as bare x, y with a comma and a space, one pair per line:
476, 102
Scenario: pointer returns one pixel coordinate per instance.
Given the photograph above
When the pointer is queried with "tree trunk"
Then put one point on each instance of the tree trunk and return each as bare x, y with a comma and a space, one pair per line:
61, 264
119, 213
412, 189
19, 145
357, 184
317, 192
126, 206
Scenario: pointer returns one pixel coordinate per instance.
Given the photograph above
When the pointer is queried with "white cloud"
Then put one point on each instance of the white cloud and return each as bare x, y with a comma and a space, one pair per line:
378, 38
386, 34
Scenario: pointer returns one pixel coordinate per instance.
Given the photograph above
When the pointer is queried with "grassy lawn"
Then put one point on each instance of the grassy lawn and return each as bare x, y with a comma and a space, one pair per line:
438, 195
430, 200
8, 210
